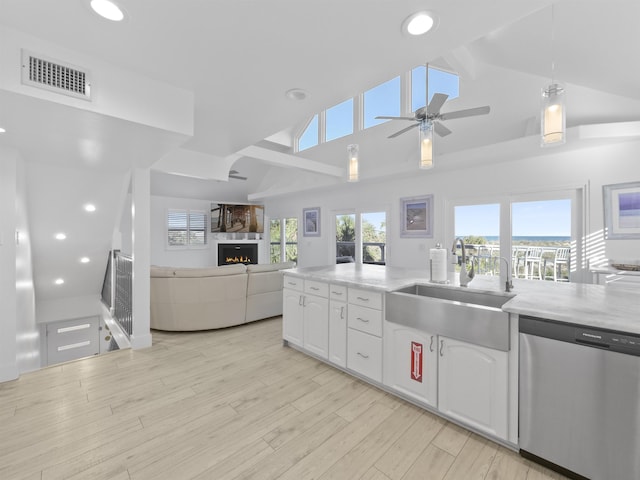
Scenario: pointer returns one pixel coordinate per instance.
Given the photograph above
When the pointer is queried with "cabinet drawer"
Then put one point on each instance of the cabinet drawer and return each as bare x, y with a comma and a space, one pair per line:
320, 289
366, 298
364, 354
338, 292
293, 283
365, 319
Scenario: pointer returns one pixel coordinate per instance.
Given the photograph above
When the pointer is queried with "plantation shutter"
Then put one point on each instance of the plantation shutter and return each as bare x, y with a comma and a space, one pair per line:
197, 228
177, 228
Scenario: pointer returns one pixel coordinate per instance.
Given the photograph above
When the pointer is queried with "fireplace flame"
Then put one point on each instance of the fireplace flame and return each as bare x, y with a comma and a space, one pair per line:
240, 259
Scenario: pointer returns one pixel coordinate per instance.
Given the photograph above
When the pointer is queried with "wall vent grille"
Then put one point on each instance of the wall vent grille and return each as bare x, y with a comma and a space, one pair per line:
55, 76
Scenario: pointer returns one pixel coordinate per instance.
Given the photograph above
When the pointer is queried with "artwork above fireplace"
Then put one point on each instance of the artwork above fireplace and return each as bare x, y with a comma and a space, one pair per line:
232, 253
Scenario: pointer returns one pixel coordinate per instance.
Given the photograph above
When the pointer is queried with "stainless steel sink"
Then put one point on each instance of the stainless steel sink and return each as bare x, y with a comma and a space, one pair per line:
486, 299
471, 316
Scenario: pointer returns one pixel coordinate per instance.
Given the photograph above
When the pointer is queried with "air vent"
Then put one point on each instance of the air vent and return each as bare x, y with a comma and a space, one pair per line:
41, 72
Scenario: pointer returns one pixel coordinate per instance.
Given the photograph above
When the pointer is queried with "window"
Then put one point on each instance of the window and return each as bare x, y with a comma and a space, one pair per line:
309, 137
479, 228
346, 238
539, 235
374, 237
186, 228
439, 82
382, 100
287, 229
339, 120
361, 237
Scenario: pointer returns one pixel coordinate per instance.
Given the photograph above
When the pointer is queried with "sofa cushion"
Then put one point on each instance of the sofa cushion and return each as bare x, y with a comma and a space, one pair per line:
179, 272
269, 267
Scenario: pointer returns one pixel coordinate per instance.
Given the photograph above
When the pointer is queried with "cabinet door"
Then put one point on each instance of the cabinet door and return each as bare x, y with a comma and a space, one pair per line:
472, 385
292, 316
316, 325
364, 354
338, 333
411, 362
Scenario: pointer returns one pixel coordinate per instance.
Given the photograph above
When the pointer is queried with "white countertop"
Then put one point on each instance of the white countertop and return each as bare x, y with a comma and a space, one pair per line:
615, 307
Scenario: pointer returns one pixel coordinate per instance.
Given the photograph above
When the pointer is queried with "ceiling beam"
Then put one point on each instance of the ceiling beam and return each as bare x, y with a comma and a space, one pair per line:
287, 160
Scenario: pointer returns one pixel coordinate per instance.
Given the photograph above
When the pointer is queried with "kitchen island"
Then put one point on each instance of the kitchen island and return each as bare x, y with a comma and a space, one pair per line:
338, 314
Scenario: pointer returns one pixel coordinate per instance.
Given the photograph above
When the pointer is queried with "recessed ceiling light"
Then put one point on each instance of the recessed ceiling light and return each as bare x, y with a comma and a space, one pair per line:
108, 10
60, 236
2, 130
296, 94
418, 23
59, 281
90, 207
85, 260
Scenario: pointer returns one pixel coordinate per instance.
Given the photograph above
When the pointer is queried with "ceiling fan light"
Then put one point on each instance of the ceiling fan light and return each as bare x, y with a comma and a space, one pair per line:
553, 116
426, 146
352, 156
418, 23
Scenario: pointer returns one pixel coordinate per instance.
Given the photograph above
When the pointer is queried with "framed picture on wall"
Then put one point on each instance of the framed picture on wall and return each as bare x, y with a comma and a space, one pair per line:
311, 222
621, 210
416, 215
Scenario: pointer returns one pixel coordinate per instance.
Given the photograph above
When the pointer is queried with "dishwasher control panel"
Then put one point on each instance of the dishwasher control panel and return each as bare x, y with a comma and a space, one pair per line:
613, 340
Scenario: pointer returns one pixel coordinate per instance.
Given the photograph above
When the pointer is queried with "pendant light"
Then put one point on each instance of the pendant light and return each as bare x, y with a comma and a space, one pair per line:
426, 145
352, 155
553, 114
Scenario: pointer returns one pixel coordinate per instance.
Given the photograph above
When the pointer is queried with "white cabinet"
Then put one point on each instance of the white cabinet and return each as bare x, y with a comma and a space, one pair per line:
305, 315
364, 333
338, 325
473, 386
364, 354
316, 325
411, 362
292, 316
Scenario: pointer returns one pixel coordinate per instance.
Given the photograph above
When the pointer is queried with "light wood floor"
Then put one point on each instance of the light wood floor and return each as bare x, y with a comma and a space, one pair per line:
227, 404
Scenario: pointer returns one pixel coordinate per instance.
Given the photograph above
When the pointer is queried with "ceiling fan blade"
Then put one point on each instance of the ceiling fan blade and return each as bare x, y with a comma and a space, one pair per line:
384, 117
440, 129
465, 113
237, 177
394, 135
436, 103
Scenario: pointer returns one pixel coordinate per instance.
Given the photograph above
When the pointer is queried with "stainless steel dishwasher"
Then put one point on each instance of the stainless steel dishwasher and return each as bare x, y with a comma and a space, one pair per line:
580, 399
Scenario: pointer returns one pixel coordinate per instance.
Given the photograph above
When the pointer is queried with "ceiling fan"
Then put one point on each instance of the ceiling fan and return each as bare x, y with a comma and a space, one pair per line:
431, 115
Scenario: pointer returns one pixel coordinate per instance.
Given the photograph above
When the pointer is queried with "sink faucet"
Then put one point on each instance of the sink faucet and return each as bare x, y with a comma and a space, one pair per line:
508, 284
465, 277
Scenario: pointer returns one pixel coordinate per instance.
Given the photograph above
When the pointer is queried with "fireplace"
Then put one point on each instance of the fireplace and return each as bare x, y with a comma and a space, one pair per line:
232, 253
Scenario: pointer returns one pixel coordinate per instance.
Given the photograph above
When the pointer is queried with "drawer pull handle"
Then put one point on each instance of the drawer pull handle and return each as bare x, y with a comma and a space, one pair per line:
336, 293
341, 313
314, 288
441, 348
292, 283
363, 299
431, 344
300, 300
363, 355
362, 320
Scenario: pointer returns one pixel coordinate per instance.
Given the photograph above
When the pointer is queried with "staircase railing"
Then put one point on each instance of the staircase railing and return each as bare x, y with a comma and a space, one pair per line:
117, 290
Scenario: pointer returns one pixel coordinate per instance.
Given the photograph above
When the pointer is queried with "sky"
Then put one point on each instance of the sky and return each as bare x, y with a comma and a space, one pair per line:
541, 218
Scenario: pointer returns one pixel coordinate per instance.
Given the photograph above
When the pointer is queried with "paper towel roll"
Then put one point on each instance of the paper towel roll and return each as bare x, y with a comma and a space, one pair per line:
438, 265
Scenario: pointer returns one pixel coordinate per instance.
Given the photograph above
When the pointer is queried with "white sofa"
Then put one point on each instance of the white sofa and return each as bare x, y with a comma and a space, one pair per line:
187, 299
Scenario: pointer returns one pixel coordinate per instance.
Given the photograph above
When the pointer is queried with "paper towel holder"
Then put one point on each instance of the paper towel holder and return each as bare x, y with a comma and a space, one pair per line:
444, 282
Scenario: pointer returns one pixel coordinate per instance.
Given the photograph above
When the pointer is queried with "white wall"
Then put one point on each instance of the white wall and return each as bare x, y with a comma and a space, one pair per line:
560, 169
197, 257
27, 332
8, 172
19, 338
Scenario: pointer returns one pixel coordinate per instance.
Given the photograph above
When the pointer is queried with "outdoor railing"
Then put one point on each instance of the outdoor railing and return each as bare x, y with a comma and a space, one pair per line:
344, 249
486, 260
